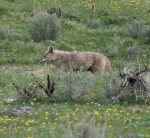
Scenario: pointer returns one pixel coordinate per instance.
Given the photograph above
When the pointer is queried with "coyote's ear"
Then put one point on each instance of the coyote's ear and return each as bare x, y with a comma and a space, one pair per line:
50, 49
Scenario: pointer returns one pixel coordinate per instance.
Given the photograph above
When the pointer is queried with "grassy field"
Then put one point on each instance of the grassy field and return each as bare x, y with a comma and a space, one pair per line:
19, 58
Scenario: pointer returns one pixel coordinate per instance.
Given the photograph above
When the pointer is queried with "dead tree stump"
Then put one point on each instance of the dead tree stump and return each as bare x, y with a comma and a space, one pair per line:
135, 82
93, 8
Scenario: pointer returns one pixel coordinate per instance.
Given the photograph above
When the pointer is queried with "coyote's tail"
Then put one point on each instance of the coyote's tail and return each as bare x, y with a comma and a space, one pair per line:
108, 66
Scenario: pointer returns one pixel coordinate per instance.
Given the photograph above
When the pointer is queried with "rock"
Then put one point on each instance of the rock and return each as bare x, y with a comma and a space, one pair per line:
138, 110
18, 111
11, 100
73, 15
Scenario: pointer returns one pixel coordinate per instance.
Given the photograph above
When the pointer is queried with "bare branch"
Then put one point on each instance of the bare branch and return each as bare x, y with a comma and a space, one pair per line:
120, 73
48, 82
50, 87
38, 83
142, 71
25, 93
17, 88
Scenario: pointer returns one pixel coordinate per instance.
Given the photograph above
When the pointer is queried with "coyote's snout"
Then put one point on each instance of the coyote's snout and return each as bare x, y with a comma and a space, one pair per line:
42, 59
90, 61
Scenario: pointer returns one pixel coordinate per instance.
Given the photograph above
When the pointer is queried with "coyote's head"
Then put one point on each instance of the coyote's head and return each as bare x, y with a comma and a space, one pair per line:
48, 56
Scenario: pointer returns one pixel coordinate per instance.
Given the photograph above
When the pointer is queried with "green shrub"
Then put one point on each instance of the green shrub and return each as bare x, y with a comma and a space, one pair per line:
110, 90
112, 50
5, 33
133, 51
75, 85
94, 24
136, 29
111, 87
46, 27
117, 41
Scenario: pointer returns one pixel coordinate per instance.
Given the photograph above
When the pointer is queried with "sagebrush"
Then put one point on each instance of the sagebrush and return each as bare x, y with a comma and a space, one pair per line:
46, 27
75, 85
136, 29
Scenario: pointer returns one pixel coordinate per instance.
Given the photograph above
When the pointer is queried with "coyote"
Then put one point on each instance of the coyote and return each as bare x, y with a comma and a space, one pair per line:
90, 61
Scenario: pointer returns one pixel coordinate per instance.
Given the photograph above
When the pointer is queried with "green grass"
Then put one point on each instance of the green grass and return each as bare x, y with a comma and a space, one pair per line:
21, 55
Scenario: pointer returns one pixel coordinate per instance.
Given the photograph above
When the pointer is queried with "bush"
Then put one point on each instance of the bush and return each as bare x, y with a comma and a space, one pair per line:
5, 33
46, 27
75, 85
136, 29
111, 89
118, 42
112, 50
133, 51
94, 24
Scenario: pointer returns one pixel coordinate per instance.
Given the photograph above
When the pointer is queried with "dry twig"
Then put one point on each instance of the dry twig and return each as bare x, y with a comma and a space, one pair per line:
26, 93
49, 89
